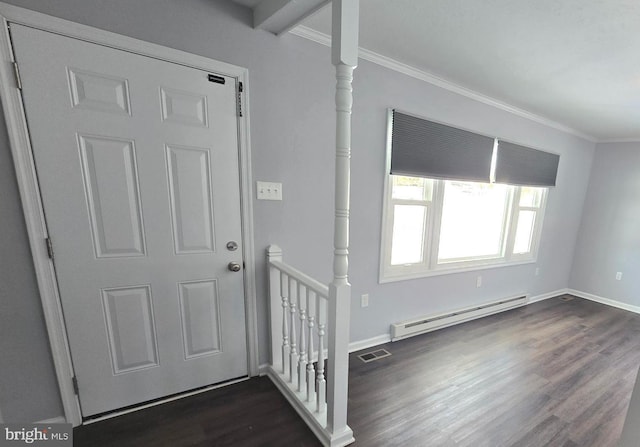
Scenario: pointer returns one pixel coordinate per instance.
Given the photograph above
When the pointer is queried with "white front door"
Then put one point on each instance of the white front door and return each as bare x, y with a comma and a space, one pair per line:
137, 162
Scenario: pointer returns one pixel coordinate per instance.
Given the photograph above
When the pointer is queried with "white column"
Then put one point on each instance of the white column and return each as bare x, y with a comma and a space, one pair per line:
344, 55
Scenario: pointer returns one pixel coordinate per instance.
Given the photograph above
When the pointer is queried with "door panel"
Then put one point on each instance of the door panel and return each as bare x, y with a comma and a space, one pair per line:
200, 318
111, 179
190, 190
131, 328
137, 161
99, 92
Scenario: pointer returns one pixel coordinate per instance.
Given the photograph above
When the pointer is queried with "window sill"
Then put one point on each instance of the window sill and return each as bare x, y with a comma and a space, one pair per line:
450, 270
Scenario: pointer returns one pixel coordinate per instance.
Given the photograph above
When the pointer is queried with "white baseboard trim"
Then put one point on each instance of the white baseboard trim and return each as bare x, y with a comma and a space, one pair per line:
602, 300
369, 342
386, 338
354, 346
263, 369
56, 420
548, 295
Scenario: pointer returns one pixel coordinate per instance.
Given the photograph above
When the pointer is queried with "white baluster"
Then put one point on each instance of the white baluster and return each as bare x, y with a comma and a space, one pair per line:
311, 370
321, 381
284, 291
302, 360
293, 354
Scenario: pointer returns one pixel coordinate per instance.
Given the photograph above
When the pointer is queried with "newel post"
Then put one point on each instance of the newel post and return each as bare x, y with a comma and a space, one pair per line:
344, 55
274, 253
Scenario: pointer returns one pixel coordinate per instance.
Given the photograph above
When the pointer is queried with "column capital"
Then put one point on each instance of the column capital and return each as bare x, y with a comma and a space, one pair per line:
344, 32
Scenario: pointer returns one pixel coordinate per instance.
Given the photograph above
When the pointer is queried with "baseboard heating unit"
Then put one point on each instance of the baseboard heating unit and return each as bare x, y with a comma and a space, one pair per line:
418, 326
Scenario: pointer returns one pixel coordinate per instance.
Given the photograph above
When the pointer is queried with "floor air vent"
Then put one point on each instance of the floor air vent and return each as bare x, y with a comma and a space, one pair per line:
374, 355
418, 326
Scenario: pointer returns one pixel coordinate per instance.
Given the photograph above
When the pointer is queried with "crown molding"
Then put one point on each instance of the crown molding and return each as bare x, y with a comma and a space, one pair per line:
392, 64
311, 34
620, 140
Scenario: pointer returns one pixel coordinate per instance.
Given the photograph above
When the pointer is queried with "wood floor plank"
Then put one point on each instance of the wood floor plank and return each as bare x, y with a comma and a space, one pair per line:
551, 432
554, 373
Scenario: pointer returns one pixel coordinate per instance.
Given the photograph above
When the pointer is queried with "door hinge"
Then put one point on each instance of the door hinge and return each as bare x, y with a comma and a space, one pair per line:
49, 247
74, 381
239, 98
16, 71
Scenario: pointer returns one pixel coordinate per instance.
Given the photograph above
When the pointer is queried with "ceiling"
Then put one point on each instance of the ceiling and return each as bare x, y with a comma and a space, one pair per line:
575, 62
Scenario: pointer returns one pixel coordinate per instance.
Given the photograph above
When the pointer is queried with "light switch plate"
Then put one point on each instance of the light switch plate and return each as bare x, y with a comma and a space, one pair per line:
269, 190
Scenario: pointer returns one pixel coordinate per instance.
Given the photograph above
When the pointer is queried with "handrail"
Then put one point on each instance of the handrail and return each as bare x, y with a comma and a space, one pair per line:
306, 280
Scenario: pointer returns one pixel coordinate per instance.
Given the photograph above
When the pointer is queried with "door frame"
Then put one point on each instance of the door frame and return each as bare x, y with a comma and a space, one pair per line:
21, 151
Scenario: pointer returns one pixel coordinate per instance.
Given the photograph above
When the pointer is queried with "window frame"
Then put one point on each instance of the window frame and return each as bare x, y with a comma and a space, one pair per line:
537, 225
430, 266
470, 260
390, 202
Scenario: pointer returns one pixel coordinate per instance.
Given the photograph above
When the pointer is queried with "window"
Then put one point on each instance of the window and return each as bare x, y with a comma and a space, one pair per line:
473, 221
458, 200
411, 197
435, 225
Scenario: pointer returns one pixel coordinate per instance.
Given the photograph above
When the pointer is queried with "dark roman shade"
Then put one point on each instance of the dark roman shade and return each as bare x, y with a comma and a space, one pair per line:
422, 148
520, 165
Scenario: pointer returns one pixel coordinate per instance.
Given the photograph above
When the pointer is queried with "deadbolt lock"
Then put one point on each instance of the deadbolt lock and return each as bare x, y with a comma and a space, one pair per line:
232, 245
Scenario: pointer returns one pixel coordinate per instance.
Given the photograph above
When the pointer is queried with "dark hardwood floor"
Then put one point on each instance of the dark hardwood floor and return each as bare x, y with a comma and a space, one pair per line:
554, 373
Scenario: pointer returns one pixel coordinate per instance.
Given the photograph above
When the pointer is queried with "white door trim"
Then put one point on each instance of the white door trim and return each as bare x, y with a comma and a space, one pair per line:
29, 191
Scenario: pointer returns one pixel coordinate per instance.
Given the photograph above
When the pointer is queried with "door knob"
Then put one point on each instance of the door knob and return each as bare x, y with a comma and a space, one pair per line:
234, 266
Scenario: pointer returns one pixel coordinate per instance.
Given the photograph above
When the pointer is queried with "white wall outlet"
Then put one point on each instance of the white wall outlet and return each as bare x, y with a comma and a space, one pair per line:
269, 190
479, 281
618, 276
364, 300
537, 271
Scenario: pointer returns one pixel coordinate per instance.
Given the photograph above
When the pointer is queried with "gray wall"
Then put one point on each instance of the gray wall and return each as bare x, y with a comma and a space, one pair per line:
28, 386
376, 89
292, 128
609, 239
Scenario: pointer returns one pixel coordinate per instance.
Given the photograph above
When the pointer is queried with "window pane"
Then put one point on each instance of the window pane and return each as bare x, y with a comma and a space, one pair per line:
408, 234
473, 220
524, 233
411, 188
530, 196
